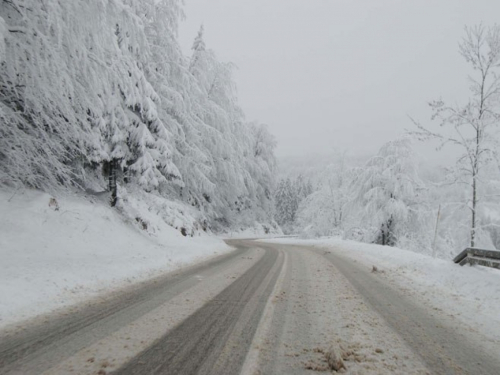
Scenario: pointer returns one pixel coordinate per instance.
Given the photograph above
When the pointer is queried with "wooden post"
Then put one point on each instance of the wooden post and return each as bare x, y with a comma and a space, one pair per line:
436, 232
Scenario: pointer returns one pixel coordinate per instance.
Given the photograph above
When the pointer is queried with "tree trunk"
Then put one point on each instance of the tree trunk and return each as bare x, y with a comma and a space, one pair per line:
474, 203
112, 182
475, 171
476, 162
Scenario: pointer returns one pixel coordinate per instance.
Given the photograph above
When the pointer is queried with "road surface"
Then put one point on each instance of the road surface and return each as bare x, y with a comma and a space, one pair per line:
262, 309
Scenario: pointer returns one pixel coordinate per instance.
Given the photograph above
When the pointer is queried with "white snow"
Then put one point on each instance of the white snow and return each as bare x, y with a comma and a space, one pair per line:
470, 295
52, 258
258, 230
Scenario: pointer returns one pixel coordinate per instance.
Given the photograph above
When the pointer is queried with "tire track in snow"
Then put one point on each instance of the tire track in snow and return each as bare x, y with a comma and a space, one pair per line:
36, 346
444, 348
216, 339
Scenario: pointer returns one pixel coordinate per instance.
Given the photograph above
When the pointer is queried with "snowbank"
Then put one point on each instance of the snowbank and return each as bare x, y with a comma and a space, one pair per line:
258, 230
56, 253
469, 294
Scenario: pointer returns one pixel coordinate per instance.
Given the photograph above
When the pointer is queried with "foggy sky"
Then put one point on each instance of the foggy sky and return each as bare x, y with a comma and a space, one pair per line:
339, 74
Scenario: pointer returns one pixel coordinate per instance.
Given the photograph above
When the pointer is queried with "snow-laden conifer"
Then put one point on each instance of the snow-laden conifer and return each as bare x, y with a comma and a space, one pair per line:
100, 92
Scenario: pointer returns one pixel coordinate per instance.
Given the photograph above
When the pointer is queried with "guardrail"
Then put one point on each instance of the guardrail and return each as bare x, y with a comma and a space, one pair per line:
472, 256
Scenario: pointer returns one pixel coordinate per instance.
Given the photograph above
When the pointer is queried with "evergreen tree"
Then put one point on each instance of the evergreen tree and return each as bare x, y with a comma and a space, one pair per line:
102, 85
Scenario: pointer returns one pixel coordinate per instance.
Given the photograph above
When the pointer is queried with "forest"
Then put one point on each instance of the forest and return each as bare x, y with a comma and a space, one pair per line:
392, 199
97, 95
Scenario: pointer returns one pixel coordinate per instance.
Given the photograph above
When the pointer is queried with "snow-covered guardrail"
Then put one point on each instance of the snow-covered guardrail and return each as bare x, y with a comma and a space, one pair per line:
488, 258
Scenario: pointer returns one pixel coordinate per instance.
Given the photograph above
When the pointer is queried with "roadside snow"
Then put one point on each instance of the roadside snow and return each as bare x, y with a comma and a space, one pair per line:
258, 230
469, 295
52, 258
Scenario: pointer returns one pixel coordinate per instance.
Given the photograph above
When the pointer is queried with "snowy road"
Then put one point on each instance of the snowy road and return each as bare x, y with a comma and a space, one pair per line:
263, 309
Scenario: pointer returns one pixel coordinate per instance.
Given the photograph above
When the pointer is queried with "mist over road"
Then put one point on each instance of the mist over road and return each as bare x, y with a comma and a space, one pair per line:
262, 309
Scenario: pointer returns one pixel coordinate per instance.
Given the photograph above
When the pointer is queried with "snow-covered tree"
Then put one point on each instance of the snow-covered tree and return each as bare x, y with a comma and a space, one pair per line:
388, 190
261, 164
43, 106
74, 83
286, 203
288, 196
102, 86
471, 126
323, 212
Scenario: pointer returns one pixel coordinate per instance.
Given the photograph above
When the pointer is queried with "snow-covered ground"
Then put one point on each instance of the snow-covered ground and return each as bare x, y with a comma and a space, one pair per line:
471, 295
57, 256
257, 231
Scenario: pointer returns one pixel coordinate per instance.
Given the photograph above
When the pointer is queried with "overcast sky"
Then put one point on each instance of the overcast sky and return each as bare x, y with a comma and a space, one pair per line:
341, 74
